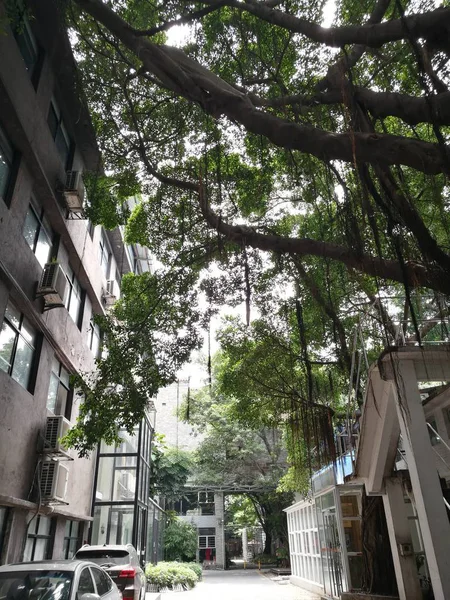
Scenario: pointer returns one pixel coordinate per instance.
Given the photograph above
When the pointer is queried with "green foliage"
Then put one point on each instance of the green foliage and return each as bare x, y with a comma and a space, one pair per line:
170, 469
180, 541
171, 575
197, 568
150, 333
265, 559
106, 196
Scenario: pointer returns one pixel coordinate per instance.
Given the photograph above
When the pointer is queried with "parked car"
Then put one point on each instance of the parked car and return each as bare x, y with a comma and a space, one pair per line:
122, 565
56, 580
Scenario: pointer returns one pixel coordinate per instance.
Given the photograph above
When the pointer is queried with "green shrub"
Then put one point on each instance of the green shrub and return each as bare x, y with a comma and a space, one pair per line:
171, 575
197, 568
265, 559
180, 541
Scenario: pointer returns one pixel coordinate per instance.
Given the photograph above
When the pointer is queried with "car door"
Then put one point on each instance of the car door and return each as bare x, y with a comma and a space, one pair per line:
106, 588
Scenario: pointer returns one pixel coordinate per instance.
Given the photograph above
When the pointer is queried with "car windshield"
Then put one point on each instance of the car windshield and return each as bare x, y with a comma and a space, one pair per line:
35, 585
105, 557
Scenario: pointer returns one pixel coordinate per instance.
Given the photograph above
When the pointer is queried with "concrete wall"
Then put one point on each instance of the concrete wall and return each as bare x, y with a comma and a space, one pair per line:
178, 434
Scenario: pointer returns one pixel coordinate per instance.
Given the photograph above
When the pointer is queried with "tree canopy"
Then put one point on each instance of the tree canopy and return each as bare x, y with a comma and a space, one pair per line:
276, 157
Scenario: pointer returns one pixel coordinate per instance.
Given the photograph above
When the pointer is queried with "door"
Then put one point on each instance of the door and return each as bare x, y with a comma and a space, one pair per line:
330, 547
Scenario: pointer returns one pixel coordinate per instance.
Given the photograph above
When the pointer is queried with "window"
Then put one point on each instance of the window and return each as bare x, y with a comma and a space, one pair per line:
38, 234
95, 339
71, 538
59, 133
105, 255
432, 431
73, 296
91, 229
26, 41
6, 165
59, 392
3, 521
39, 539
17, 346
102, 581
85, 584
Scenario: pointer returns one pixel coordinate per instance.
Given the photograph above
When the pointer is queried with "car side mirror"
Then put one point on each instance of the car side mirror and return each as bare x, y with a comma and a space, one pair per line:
89, 596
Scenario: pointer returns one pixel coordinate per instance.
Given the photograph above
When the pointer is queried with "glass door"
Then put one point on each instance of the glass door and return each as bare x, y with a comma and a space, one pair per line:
330, 546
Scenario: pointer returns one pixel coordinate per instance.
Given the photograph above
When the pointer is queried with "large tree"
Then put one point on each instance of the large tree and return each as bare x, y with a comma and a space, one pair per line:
274, 154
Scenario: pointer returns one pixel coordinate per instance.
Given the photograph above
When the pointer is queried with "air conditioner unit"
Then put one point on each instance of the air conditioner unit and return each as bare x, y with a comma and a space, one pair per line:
52, 285
54, 479
56, 428
74, 191
111, 293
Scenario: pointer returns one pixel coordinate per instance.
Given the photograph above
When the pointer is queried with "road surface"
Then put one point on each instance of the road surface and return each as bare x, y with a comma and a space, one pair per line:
240, 585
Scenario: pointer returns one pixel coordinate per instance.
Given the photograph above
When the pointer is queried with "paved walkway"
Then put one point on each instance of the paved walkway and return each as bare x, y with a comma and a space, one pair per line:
240, 585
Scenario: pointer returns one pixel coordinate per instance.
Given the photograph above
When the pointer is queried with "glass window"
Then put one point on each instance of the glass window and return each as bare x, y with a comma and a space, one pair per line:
101, 581
6, 161
3, 520
17, 585
71, 538
95, 339
59, 132
105, 255
25, 39
116, 478
432, 431
73, 296
113, 525
85, 583
59, 390
38, 234
39, 539
17, 346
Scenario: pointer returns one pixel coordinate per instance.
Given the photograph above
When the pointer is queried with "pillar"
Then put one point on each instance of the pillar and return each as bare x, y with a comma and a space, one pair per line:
400, 537
431, 512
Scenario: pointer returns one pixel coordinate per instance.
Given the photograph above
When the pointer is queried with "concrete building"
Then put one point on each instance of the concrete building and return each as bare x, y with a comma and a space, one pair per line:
202, 507
56, 272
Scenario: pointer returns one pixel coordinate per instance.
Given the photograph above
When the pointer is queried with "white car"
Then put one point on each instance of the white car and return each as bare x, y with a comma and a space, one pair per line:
56, 580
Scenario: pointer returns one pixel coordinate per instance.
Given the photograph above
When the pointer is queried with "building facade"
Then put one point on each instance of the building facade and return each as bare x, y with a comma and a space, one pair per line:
56, 272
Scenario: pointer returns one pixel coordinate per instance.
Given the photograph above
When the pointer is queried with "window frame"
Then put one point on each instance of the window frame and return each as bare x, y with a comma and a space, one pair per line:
69, 539
10, 158
49, 537
105, 255
24, 36
74, 284
62, 130
39, 215
95, 331
435, 438
18, 335
60, 382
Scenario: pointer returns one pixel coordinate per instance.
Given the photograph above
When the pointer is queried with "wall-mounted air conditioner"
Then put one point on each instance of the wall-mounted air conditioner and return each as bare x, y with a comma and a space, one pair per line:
52, 286
56, 428
54, 480
205, 497
74, 191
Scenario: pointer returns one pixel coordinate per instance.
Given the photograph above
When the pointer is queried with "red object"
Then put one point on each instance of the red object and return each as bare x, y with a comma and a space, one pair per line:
127, 573
208, 554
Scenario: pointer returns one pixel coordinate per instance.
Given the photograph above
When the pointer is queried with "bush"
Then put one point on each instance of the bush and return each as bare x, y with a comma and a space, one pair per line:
180, 541
265, 559
197, 568
171, 575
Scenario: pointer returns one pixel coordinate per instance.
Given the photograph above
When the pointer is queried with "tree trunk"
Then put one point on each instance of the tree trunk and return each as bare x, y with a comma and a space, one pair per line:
268, 543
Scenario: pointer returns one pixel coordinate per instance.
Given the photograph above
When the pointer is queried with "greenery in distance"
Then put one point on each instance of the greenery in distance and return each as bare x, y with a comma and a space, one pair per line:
172, 575
180, 541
